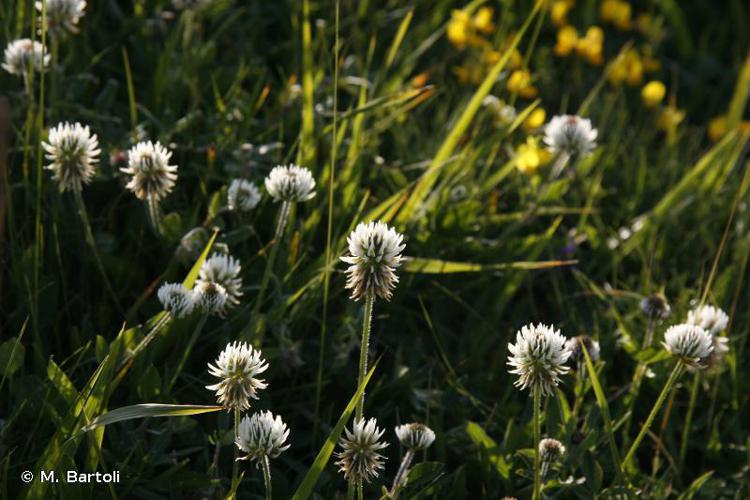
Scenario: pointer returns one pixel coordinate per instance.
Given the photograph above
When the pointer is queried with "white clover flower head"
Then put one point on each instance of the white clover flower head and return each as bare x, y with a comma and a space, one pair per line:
73, 152
262, 435
374, 254
570, 135
22, 53
689, 343
656, 306
237, 367
62, 15
573, 345
210, 297
720, 349
152, 177
415, 436
242, 196
359, 459
290, 183
538, 357
551, 450
710, 318
176, 299
224, 270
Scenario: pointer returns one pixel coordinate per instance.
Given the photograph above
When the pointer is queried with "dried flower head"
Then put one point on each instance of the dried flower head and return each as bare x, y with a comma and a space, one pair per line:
550, 451
655, 306
210, 297
152, 177
573, 345
73, 152
538, 357
690, 343
237, 367
176, 299
242, 195
22, 54
290, 183
570, 135
223, 270
375, 253
262, 435
710, 318
62, 15
359, 459
415, 436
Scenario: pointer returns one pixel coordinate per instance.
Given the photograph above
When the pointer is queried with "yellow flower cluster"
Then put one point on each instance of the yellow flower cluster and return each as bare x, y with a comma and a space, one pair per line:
631, 66
652, 94
719, 126
559, 12
618, 13
465, 30
530, 156
589, 47
520, 82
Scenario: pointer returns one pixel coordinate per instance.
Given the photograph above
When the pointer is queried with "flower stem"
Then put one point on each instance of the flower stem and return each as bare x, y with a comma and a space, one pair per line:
366, 326
235, 462
537, 437
676, 372
267, 476
402, 470
187, 350
154, 215
688, 420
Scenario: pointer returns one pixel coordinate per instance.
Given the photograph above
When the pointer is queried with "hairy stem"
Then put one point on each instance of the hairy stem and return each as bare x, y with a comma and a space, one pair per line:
401, 474
366, 326
267, 477
537, 437
235, 462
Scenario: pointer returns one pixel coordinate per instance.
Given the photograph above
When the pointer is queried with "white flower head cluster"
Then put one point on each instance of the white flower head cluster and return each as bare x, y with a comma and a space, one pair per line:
551, 449
262, 435
710, 318
152, 177
210, 297
690, 343
415, 436
73, 152
242, 195
62, 15
290, 183
359, 458
576, 352
222, 270
22, 53
570, 135
656, 306
176, 299
238, 367
374, 254
538, 357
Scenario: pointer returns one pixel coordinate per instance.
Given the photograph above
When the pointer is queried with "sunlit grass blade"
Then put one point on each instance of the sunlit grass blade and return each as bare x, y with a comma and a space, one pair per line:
437, 266
148, 410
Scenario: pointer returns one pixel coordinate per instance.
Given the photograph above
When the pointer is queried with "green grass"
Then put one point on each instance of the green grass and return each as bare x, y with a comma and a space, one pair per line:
390, 133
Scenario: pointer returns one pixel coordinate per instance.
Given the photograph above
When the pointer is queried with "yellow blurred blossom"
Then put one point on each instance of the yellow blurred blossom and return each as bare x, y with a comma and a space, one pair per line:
567, 38
483, 20
519, 83
591, 46
643, 23
653, 93
461, 32
650, 63
559, 12
491, 57
535, 119
717, 127
669, 118
469, 74
617, 12
530, 156
628, 67
420, 80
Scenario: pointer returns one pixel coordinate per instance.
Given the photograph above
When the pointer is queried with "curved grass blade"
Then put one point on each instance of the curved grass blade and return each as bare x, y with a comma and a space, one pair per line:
148, 410
437, 266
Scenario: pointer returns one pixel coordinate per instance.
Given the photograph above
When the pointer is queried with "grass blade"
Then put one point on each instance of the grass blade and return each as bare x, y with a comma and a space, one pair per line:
148, 410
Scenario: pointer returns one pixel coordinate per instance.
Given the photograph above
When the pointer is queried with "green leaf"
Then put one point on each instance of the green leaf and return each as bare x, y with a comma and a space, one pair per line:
11, 356
695, 486
193, 274
148, 410
480, 438
437, 266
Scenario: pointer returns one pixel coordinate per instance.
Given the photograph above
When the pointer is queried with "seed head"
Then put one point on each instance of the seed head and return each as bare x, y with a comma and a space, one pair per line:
415, 436
237, 368
290, 183
656, 306
710, 318
374, 254
73, 152
176, 299
359, 459
570, 135
223, 270
690, 343
573, 345
21, 53
210, 297
538, 357
62, 15
242, 196
262, 435
152, 177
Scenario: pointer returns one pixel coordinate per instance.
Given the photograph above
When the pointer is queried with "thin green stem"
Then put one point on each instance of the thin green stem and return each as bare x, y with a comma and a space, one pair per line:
360, 491
187, 350
154, 215
635, 384
537, 437
235, 462
676, 372
366, 326
267, 477
688, 420
402, 470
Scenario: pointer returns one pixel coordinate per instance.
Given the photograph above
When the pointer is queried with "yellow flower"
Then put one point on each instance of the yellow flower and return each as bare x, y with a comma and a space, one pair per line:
670, 118
618, 13
628, 67
643, 23
567, 39
717, 127
530, 156
607, 11
559, 12
591, 46
468, 74
650, 63
483, 20
519, 83
491, 57
460, 31
420, 80
534, 120
653, 93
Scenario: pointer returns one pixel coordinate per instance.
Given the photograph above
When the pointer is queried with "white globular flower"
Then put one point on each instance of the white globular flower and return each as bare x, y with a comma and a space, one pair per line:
290, 183
710, 318
152, 177
262, 435
224, 270
720, 349
176, 299
62, 15
415, 436
237, 367
690, 343
550, 451
73, 152
656, 306
24, 53
570, 135
576, 352
242, 196
359, 458
374, 254
538, 357
210, 297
